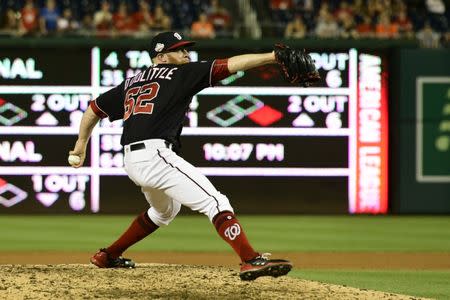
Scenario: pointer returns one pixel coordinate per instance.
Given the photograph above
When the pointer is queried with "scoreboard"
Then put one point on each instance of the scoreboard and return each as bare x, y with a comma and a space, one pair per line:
252, 124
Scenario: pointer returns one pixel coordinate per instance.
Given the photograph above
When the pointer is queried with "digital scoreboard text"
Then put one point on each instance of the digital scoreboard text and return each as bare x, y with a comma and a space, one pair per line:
252, 124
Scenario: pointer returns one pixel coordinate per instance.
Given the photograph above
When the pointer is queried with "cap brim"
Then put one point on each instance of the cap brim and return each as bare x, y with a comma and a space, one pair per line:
181, 44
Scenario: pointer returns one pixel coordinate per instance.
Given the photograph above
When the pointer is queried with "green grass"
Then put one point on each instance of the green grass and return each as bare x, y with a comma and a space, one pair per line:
195, 233
430, 284
277, 233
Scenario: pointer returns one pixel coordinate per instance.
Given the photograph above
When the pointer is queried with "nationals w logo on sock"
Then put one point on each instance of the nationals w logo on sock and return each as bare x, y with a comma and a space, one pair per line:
233, 231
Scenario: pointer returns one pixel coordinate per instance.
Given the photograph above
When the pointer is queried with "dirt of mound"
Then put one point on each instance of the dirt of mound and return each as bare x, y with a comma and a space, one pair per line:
162, 281
302, 260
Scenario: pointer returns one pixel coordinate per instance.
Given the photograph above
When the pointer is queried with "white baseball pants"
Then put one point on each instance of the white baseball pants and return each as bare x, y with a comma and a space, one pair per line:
168, 181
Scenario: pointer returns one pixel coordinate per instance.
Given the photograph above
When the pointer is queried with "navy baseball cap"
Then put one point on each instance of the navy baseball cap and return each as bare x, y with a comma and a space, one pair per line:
167, 41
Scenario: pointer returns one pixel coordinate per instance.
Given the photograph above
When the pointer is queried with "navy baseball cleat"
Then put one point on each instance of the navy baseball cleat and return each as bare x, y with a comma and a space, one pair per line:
102, 260
263, 266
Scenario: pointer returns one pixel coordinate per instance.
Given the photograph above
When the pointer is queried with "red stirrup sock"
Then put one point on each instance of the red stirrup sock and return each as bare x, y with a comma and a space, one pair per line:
232, 232
141, 227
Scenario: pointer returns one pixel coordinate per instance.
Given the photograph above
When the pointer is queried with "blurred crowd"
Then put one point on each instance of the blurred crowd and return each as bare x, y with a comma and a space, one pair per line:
199, 18
425, 20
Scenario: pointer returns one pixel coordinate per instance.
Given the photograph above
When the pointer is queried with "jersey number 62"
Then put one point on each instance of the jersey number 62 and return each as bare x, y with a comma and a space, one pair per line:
138, 99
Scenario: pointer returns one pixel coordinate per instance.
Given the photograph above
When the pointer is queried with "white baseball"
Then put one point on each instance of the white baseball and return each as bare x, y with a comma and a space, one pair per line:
74, 159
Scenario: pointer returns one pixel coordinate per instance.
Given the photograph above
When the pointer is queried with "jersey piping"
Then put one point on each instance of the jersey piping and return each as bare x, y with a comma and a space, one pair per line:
215, 199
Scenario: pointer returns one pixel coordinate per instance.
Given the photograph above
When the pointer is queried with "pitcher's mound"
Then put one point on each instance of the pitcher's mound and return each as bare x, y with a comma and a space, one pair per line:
161, 281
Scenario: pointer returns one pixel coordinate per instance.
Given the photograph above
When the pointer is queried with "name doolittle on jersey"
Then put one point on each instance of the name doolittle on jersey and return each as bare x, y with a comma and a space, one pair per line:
150, 74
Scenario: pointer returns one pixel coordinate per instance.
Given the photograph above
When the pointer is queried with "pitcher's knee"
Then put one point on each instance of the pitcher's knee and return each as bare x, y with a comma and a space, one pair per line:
164, 218
215, 205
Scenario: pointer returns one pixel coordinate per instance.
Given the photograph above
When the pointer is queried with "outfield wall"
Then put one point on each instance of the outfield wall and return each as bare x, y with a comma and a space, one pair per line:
420, 131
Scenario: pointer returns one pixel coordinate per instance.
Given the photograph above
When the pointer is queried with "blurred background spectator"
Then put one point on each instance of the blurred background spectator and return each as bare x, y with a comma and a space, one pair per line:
29, 21
327, 27
281, 10
161, 21
404, 24
143, 17
348, 28
67, 24
365, 29
295, 29
359, 10
220, 18
103, 18
49, 16
385, 28
10, 22
350, 19
436, 13
87, 25
446, 39
343, 13
202, 28
307, 10
123, 22
427, 37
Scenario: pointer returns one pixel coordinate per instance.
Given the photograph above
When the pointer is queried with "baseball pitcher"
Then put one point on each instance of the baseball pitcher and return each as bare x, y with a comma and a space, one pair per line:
153, 105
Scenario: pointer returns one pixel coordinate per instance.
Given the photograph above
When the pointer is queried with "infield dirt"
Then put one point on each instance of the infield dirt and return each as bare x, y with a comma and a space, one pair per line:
301, 260
190, 275
162, 281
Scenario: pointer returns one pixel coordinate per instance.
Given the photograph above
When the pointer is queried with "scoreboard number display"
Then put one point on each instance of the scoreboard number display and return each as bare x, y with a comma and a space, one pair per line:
251, 125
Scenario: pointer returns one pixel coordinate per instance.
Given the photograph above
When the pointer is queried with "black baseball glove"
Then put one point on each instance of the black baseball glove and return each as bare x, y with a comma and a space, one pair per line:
297, 65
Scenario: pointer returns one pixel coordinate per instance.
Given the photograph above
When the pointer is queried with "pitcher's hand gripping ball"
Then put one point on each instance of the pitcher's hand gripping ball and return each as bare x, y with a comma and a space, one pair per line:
297, 65
74, 160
